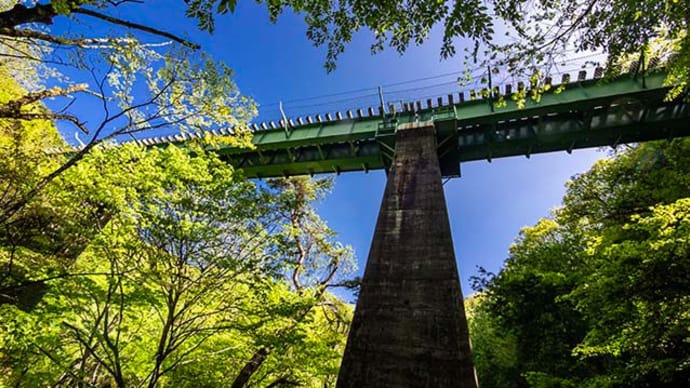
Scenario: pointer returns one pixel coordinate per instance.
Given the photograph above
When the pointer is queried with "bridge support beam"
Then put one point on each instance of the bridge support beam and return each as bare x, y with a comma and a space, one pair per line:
409, 328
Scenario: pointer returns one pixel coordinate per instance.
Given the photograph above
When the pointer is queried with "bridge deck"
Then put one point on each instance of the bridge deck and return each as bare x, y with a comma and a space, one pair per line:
586, 113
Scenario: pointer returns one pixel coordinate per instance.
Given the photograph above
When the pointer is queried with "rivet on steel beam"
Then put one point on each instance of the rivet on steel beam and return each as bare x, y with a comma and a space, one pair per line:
428, 103
273, 125
359, 113
565, 78
309, 120
318, 118
338, 115
450, 99
264, 126
328, 117
509, 89
292, 123
521, 86
391, 108
419, 106
598, 72
547, 81
381, 112
582, 75
255, 127
440, 101
370, 111
300, 121
348, 113
461, 97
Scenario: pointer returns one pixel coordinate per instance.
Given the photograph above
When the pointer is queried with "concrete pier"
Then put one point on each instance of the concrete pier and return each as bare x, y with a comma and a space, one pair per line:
409, 328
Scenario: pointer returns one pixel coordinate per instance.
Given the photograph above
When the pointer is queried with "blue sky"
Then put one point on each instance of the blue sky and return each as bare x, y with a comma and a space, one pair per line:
487, 206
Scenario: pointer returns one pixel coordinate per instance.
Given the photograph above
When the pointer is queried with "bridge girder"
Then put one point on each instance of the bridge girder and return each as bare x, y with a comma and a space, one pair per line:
586, 113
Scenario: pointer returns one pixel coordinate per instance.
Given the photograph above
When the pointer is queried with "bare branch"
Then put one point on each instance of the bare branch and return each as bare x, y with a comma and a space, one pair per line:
136, 26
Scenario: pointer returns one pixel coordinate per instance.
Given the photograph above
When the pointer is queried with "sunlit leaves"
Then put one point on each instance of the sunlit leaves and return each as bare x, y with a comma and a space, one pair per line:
598, 295
194, 265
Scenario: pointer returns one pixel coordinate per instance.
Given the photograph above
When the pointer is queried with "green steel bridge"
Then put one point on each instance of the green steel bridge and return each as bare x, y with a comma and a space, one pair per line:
587, 112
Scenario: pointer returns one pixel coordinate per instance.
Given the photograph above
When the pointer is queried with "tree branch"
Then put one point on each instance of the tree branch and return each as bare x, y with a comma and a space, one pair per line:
14, 106
136, 26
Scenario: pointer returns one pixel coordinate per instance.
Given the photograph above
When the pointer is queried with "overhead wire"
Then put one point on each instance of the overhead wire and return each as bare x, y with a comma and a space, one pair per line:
399, 95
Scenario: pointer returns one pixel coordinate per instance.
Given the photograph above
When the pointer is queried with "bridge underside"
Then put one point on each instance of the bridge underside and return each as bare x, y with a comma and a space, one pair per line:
585, 114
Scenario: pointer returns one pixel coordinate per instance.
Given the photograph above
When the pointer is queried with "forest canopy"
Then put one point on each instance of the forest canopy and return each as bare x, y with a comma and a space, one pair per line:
144, 266
597, 295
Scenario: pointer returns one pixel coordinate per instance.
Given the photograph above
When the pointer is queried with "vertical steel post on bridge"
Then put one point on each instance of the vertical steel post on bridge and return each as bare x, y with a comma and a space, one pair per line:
409, 328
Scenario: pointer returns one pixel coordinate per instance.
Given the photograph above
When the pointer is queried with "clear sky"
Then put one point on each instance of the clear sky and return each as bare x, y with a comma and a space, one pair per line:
487, 206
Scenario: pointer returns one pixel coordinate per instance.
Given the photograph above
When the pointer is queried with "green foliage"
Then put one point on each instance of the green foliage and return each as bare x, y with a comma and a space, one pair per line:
188, 274
544, 34
397, 24
167, 86
598, 295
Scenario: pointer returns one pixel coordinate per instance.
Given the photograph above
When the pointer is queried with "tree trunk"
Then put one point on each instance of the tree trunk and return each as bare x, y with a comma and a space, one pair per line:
250, 367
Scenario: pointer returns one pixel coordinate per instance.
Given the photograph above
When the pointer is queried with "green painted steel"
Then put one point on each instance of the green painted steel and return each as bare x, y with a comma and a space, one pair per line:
587, 113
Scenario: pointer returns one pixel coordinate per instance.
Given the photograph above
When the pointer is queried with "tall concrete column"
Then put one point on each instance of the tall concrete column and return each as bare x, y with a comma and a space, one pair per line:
409, 328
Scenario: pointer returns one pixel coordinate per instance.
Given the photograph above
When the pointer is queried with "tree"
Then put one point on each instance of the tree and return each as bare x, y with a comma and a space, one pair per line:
644, 30
57, 225
192, 266
597, 296
167, 86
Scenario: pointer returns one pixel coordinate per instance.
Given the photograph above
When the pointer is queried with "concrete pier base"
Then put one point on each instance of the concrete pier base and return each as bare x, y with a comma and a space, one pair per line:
409, 328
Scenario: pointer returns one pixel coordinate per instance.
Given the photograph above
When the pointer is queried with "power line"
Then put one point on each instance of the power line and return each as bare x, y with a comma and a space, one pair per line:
395, 95
325, 96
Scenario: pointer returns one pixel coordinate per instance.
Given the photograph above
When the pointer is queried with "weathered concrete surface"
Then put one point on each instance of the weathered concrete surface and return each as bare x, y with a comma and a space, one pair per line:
409, 328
